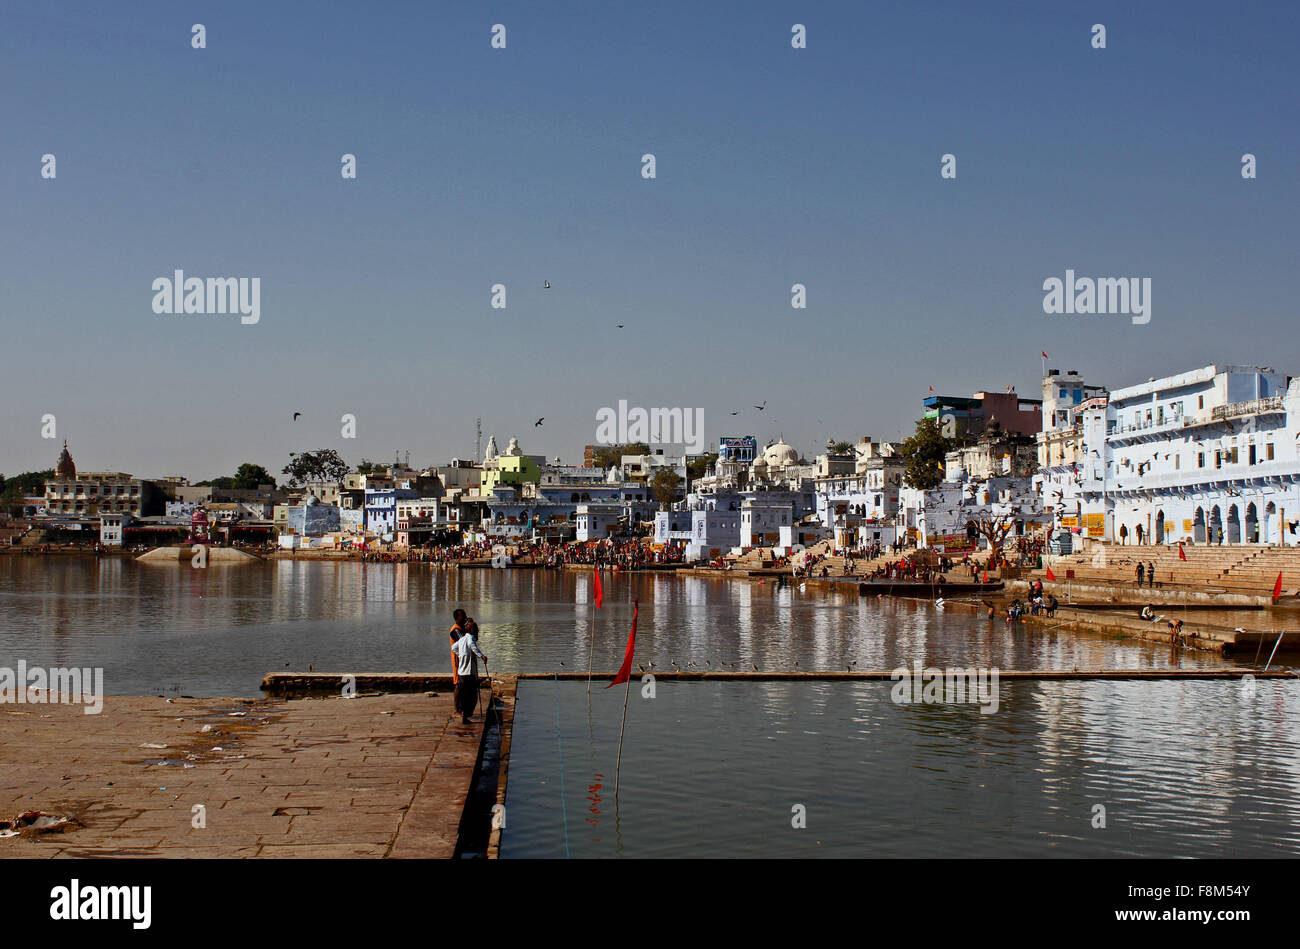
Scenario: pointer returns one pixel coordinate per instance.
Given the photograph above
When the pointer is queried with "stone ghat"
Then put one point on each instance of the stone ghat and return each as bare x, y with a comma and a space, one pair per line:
379, 776
219, 556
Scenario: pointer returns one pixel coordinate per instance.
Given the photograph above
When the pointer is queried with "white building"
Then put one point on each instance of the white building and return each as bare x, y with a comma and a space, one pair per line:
1206, 456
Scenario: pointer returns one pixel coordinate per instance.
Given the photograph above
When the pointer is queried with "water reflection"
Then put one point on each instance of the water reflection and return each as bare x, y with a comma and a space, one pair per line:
217, 631
709, 768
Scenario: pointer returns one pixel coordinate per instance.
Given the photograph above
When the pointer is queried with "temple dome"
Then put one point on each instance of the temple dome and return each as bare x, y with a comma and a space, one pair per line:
66, 467
780, 455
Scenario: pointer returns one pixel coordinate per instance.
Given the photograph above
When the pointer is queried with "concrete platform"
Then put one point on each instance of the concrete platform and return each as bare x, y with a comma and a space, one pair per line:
374, 776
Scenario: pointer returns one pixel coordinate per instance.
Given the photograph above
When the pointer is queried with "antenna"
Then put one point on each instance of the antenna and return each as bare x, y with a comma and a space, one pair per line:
478, 439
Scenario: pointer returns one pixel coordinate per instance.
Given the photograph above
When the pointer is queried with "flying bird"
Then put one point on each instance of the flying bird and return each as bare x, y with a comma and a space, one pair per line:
546, 284
295, 415
620, 325
735, 413
763, 406
539, 422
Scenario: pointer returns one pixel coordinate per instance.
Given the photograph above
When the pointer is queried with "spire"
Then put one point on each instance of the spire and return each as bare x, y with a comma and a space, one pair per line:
65, 467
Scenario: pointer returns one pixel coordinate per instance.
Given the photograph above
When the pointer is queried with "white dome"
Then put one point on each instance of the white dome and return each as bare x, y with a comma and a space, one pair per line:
779, 455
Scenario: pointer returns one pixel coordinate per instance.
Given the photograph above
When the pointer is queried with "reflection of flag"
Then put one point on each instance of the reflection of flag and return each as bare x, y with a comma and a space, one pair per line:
1277, 588
626, 672
600, 593
1050, 575
1182, 554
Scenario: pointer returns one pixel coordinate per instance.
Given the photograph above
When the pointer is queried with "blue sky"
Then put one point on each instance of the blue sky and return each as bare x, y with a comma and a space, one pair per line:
478, 166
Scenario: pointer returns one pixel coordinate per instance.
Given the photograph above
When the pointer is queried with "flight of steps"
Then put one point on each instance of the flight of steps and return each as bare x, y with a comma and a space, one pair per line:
1230, 569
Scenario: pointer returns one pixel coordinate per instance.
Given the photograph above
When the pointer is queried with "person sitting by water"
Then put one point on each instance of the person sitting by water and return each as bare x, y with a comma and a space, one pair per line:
1052, 604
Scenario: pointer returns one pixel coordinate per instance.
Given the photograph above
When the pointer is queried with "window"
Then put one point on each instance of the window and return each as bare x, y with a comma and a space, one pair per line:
1200, 459
1268, 452
1200, 401
1252, 454
1178, 462
1218, 459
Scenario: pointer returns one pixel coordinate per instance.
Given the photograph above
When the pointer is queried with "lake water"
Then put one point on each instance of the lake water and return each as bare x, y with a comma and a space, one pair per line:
1181, 769
715, 768
217, 631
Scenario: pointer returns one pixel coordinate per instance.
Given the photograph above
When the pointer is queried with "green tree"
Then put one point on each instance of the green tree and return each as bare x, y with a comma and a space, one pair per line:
923, 453
369, 467
697, 466
664, 486
251, 476
841, 448
607, 456
322, 465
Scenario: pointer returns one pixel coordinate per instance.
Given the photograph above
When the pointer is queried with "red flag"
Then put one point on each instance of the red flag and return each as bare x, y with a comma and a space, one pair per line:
600, 592
1045, 356
1277, 588
1050, 575
1182, 554
986, 577
625, 673
931, 388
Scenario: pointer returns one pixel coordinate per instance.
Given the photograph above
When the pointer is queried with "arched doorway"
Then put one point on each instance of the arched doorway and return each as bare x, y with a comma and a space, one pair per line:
1198, 527
1216, 525
1234, 525
1252, 525
1160, 527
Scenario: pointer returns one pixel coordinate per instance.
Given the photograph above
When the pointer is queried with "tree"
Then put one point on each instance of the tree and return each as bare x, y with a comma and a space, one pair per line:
841, 448
252, 477
322, 465
664, 486
607, 456
923, 453
369, 467
697, 466
224, 483
994, 529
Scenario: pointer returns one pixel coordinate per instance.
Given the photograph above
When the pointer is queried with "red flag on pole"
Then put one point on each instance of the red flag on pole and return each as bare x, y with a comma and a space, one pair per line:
599, 592
1182, 554
1045, 356
1050, 575
625, 673
1277, 588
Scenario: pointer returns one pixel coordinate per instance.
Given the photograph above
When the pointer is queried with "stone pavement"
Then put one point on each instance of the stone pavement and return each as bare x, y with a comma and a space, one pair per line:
374, 776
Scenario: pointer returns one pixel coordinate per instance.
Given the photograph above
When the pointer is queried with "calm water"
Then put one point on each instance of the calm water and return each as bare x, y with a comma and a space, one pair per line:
714, 769
216, 632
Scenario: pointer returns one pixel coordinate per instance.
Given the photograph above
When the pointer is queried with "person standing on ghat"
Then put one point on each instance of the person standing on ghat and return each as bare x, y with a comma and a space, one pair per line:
465, 653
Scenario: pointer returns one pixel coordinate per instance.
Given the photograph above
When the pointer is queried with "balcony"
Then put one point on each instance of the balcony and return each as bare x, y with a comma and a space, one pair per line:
1270, 406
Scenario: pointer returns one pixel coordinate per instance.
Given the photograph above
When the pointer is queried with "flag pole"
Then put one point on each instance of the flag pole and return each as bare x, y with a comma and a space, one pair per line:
618, 762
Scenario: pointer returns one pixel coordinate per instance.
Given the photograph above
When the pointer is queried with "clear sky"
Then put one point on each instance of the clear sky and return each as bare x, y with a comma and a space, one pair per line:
478, 166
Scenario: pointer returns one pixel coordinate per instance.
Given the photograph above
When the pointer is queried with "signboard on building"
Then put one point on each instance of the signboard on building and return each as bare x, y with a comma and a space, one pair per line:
1096, 524
1070, 522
